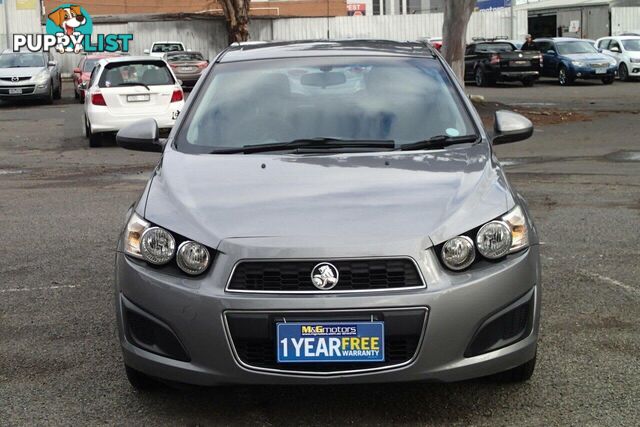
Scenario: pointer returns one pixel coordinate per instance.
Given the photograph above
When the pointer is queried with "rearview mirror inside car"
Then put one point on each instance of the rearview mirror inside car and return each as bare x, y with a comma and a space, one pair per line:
323, 79
142, 135
511, 127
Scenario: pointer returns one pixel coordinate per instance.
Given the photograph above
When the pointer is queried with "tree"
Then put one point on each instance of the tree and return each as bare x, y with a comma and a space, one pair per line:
454, 33
236, 13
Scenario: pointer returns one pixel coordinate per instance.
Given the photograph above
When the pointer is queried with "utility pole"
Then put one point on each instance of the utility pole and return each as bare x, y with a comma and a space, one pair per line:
6, 22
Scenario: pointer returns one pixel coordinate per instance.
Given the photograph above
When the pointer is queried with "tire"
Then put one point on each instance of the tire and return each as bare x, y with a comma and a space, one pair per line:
480, 77
95, 140
49, 99
519, 374
563, 77
76, 95
140, 381
58, 93
623, 72
528, 82
608, 80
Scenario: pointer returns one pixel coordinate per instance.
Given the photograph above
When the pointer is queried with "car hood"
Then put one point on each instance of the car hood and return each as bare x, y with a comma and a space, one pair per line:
20, 72
393, 195
588, 57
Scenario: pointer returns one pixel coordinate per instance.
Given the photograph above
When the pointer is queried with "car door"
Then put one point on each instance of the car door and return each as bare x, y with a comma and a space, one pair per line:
551, 59
469, 61
614, 50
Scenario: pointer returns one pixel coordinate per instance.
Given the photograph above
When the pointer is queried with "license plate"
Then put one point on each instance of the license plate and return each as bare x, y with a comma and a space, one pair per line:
15, 91
601, 71
137, 98
520, 63
187, 69
330, 342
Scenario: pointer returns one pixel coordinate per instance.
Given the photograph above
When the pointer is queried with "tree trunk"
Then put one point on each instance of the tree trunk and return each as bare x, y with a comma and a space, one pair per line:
454, 33
236, 13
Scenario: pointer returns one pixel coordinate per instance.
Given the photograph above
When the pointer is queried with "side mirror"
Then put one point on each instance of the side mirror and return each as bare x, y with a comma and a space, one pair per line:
511, 127
551, 52
52, 63
180, 82
615, 49
147, 51
142, 135
77, 71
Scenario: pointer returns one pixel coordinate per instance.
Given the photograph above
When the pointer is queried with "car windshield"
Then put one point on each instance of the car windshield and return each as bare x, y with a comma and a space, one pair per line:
494, 47
21, 60
167, 47
147, 73
570, 48
365, 99
186, 56
89, 64
632, 45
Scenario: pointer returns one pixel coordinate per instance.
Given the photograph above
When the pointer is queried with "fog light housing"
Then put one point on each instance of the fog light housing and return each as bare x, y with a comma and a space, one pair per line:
192, 257
458, 253
494, 240
157, 246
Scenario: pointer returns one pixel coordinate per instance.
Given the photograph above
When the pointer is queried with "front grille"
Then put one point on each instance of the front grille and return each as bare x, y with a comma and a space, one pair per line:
11, 79
600, 64
354, 275
253, 336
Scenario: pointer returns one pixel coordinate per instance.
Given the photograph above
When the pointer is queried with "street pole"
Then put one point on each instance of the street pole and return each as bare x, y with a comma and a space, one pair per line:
6, 22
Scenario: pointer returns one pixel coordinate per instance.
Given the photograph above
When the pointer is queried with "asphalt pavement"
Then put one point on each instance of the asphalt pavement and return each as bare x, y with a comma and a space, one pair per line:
62, 206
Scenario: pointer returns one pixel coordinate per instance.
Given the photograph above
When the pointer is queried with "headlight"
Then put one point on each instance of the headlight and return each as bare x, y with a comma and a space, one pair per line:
519, 230
578, 63
458, 253
132, 235
494, 240
192, 257
157, 245
42, 77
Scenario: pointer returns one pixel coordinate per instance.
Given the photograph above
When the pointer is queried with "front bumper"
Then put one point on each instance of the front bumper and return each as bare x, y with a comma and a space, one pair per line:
518, 75
456, 307
29, 90
588, 73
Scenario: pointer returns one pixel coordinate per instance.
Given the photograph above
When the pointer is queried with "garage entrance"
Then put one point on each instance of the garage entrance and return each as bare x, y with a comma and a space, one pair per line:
581, 22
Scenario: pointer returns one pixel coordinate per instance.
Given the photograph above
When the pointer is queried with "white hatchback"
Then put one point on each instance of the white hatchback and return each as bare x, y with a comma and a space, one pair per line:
125, 90
626, 51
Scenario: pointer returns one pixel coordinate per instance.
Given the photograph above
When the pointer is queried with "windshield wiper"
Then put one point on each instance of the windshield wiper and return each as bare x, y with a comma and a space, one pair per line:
133, 84
315, 143
439, 141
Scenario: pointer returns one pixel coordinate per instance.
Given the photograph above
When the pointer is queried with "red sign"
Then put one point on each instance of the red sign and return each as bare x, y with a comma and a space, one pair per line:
357, 9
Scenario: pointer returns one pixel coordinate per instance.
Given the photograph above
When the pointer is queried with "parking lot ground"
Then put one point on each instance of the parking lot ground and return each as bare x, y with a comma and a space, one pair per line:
62, 206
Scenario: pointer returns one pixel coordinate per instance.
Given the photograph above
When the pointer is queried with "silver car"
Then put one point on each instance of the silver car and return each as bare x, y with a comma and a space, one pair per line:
328, 212
26, 75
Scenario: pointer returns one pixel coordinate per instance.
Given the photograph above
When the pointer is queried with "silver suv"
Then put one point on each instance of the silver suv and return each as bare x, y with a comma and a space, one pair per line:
29, 75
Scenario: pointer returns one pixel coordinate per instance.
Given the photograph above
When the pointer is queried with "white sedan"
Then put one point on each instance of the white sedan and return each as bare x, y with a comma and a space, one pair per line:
125, 90
626, 51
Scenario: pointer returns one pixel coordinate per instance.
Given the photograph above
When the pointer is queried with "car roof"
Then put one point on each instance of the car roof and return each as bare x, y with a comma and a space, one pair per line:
24, 52
167, 41
139, 58
323, 48
621, 37
102, 55
181, 52
560, 39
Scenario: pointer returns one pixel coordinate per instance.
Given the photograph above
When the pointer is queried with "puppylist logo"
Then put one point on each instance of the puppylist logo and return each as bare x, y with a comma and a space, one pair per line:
70, 29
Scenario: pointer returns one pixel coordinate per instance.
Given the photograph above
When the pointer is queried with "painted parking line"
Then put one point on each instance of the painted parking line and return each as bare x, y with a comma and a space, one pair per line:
44, 288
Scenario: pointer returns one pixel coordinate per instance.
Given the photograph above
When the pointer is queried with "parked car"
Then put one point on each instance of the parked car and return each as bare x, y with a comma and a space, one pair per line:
124, 90
436, 42
160, 48
568, 59
362, 234
82, 73
187, 66
27, 75
487, 62
626, 51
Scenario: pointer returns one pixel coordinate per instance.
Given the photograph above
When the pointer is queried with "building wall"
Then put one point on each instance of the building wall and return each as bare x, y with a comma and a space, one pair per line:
258, 8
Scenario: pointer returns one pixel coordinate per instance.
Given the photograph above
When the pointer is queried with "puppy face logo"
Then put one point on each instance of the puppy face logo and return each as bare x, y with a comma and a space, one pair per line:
68, 18
72, 25
325, 276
